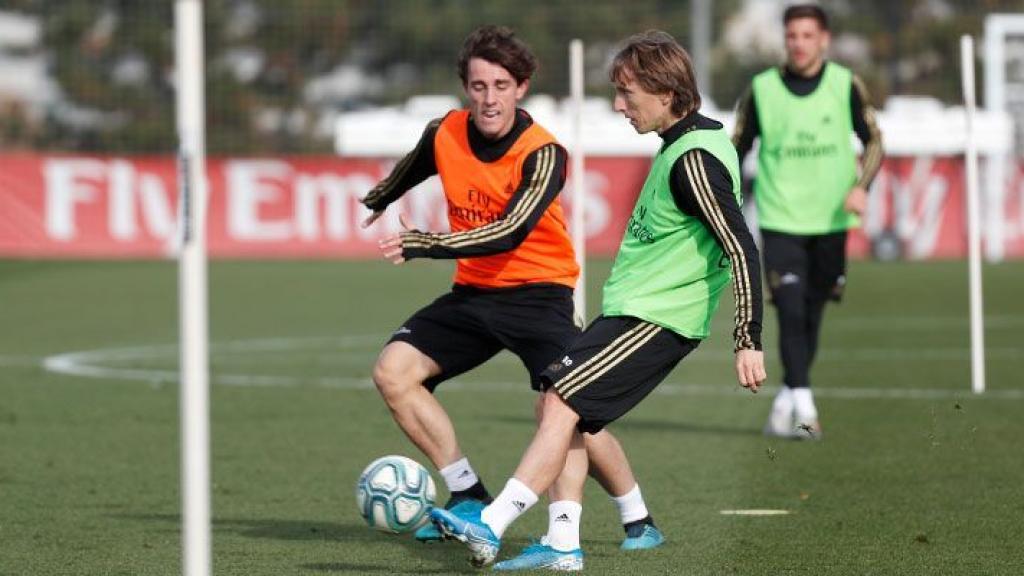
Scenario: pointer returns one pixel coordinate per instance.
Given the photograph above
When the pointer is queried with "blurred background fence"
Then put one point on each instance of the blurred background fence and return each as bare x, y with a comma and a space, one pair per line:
301, 95
97, 76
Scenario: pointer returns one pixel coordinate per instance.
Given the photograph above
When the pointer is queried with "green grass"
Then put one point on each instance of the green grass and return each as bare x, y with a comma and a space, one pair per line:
89, 466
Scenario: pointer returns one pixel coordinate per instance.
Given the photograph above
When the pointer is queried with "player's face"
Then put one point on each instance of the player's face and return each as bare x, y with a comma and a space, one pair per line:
493, 94
806, 43
645, 111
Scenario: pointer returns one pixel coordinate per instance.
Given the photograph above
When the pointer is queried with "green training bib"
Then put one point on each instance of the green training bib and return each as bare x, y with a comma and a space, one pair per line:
670, 270
806, 164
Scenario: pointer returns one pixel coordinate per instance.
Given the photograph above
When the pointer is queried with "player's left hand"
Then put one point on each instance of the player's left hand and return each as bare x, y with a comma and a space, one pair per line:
856, 201
372, 218
391, 246
750, 369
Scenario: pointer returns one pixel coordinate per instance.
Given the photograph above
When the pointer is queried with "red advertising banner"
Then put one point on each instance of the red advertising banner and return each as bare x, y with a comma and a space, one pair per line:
55, 206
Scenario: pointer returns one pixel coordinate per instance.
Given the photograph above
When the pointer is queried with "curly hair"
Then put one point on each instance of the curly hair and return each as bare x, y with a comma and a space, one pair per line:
498, 45
660, 66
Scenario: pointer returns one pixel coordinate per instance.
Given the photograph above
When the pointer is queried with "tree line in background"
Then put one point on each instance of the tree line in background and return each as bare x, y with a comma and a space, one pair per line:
278, 73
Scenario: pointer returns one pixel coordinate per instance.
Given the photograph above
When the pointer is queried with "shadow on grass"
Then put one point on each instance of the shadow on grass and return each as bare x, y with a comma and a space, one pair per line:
651, 425
432, 558
385, 567
375, 547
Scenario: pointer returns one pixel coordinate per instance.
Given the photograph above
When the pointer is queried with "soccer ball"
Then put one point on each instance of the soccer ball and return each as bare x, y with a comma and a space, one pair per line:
394, 494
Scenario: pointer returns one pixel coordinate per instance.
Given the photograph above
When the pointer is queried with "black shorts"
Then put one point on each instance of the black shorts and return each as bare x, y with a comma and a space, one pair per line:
614, 365
467, 326
815, 263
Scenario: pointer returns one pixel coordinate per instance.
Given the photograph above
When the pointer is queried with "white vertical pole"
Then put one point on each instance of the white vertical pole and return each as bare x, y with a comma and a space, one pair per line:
996, 163
973, 219
579, 194
700, 43
194, 367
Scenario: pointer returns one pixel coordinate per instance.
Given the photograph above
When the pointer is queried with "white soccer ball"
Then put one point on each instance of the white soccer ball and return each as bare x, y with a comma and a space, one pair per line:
395, 494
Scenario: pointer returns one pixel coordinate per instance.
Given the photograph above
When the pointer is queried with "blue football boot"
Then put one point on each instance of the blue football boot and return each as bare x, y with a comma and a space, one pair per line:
642, 537
429, 532
469, 529
539, 556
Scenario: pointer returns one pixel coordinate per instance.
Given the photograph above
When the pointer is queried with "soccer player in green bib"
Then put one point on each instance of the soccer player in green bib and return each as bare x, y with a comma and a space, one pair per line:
808, 195
685, 238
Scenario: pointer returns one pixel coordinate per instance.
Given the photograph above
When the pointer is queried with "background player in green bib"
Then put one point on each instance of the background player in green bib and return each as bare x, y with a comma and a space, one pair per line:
685, 237
808, 195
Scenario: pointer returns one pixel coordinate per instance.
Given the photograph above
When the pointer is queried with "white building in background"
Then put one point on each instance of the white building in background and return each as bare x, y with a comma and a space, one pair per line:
23, 75
911, 126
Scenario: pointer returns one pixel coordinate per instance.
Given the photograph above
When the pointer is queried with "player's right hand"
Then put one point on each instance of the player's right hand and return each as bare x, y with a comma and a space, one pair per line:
750, 369
856, 201
392, 246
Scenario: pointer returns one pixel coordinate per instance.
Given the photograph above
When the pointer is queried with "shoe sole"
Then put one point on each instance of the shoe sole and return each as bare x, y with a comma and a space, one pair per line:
432, 538
641, 548
481, 554
560, 565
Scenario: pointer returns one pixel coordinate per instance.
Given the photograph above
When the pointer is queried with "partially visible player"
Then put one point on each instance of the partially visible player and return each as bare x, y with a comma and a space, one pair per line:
808, 195
684, 238
516, 269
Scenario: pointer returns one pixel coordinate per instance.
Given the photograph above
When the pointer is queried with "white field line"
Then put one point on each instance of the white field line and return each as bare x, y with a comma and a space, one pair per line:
94, 364
754, 512
919, 323
834, 355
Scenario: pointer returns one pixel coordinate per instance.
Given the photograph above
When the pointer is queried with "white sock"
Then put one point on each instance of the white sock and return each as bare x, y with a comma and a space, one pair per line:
783, 403
564, 525
459, 475
631, 505
515, 499
806, 412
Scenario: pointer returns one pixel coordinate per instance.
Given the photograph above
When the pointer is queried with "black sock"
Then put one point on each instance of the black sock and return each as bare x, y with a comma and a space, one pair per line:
637, 525
476, 492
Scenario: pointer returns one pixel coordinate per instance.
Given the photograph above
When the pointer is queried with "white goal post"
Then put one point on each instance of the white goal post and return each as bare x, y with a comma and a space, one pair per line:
973, 217
579, 194
192, 286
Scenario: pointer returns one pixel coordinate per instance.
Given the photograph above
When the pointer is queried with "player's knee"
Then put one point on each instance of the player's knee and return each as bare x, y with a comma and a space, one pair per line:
556, 412
393, 380
603, 442
789, 299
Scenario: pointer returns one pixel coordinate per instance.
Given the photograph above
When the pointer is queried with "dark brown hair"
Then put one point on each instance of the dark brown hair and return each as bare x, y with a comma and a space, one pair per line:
660, 66
812, 11
498, 45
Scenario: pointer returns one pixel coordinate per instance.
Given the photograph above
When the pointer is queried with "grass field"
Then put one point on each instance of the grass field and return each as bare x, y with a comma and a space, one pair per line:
915, 475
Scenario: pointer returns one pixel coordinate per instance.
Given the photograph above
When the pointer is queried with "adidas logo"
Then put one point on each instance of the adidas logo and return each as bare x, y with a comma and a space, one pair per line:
789, 278
563, 518
519, 505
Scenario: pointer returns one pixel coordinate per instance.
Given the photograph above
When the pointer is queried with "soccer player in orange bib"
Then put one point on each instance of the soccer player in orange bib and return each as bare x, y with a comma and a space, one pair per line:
515, 274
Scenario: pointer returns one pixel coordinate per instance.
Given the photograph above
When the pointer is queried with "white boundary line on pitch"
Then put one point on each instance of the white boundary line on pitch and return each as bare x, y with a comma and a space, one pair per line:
347, 343
87, 364
755, 512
